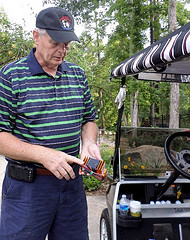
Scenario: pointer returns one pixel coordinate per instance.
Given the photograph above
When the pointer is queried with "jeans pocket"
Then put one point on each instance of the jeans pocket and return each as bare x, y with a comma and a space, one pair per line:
7, 186
14, 189
75, 186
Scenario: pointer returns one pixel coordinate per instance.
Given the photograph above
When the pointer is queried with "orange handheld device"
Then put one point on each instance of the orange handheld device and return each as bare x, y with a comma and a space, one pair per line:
94, 167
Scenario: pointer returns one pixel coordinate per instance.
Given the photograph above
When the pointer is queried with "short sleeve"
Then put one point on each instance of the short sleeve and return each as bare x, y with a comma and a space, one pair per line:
7, 102
89, 113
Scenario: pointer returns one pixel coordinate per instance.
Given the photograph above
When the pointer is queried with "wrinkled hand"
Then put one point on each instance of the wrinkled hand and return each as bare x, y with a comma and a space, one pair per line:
91, 150
59, 164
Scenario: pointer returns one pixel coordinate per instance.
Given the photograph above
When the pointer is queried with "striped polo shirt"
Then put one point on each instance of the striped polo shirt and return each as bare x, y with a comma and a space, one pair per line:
40, 109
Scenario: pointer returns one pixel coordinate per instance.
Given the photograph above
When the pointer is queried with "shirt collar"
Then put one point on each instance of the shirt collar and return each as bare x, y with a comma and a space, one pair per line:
36, 68
63, 67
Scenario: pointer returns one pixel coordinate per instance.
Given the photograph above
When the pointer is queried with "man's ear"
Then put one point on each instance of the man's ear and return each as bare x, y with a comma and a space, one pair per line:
36, 36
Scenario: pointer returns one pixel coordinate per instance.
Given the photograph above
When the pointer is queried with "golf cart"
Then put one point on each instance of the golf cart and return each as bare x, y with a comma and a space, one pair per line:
151, 165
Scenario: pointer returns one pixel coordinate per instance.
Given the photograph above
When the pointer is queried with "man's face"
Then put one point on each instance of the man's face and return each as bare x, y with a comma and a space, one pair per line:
48, 52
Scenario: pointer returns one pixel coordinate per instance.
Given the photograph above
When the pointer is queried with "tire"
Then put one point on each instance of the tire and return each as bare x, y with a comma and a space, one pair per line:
105, 228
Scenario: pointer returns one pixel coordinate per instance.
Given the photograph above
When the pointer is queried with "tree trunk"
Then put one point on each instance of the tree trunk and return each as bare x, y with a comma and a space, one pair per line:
134, 109
174, 87
133, 97
124, 120
174, 105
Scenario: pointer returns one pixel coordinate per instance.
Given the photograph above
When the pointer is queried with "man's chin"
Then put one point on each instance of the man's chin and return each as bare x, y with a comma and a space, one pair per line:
57, 62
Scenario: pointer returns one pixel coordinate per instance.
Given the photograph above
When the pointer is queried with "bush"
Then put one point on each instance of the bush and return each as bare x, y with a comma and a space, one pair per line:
91, 183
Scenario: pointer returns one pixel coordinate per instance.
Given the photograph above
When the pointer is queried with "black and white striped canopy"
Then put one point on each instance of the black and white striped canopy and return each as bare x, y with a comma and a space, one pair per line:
161, 55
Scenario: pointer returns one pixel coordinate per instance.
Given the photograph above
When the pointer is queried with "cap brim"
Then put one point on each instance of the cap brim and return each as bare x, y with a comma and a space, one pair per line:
62, 36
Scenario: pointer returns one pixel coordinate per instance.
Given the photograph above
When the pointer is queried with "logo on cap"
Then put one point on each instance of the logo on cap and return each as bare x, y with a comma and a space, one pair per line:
66, 21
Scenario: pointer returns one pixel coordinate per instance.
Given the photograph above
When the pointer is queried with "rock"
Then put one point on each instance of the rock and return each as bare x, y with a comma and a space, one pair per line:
145, 156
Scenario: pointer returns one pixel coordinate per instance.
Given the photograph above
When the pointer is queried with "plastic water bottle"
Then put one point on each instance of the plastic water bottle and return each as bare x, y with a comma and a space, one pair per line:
123, 205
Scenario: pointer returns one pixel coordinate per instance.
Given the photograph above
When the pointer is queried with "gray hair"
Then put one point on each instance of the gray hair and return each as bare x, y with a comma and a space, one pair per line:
41, 31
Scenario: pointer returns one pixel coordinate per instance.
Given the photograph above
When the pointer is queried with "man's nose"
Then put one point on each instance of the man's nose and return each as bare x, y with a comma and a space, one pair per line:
62, 47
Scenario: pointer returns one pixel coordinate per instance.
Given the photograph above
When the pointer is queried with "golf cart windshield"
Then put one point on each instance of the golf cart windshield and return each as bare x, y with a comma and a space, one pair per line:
142, 151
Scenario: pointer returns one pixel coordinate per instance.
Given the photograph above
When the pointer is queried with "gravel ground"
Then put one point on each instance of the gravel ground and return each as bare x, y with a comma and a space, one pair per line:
96, 203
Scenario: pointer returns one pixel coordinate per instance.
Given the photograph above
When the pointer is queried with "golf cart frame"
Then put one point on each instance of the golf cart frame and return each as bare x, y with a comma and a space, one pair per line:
167, 60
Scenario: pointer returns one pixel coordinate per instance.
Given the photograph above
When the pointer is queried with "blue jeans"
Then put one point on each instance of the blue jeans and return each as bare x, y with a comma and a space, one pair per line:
50, 206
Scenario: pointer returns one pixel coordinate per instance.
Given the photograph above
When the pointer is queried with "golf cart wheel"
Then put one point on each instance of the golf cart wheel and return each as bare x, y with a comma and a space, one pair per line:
105, 229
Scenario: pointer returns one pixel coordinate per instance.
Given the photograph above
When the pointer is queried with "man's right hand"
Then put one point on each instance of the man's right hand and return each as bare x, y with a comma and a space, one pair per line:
60, 166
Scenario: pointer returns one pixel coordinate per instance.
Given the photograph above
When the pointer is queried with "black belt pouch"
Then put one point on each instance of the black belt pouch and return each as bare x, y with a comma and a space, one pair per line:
21, 172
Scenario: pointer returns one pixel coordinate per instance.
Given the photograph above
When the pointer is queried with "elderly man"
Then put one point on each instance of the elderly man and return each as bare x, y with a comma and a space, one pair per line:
45, 109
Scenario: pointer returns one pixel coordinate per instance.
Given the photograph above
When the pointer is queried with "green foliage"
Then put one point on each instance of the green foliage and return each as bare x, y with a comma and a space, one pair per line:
107, 152
183, 15
91, 183
15, 42
146, 140
82, 10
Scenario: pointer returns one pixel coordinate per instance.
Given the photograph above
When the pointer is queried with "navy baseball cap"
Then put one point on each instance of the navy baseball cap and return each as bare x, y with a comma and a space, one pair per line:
58, 23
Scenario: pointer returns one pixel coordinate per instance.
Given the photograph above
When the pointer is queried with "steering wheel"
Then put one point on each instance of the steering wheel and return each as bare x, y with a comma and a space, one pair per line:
180, 159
